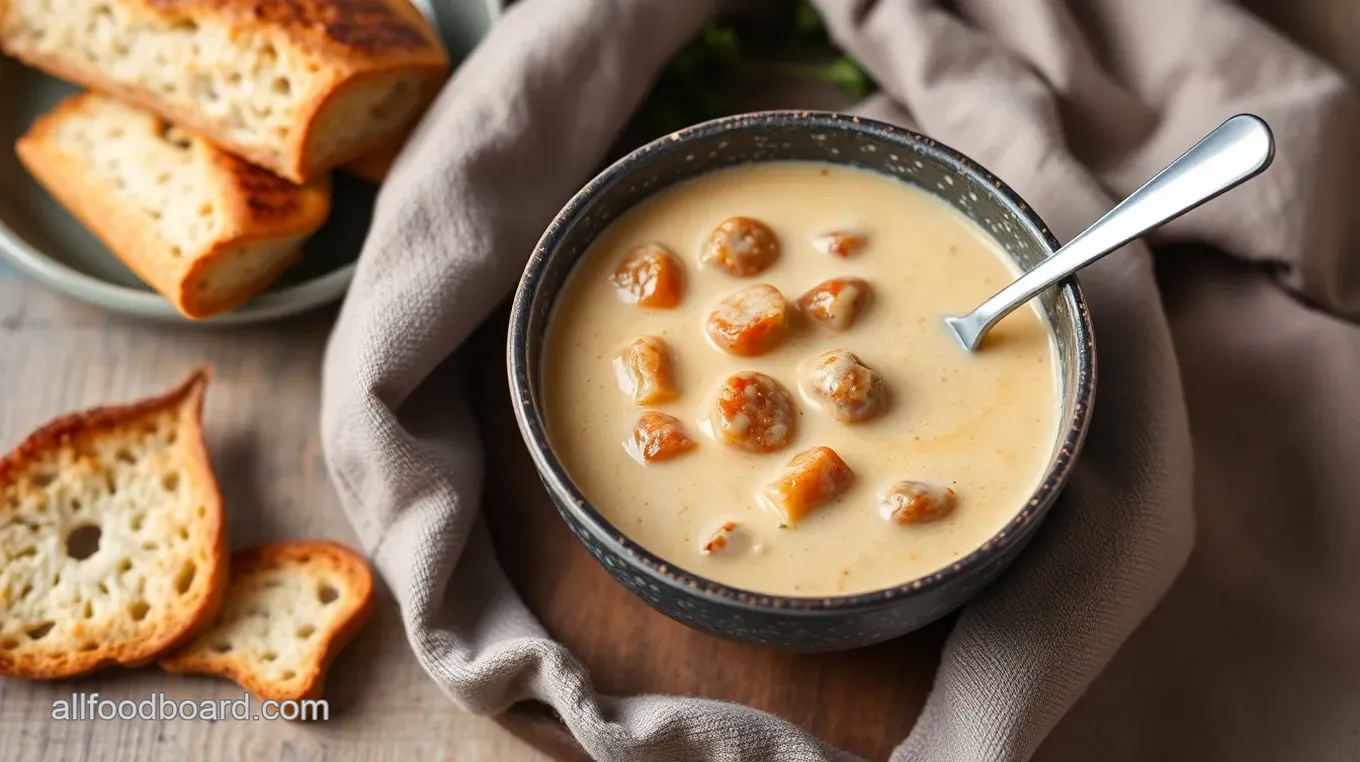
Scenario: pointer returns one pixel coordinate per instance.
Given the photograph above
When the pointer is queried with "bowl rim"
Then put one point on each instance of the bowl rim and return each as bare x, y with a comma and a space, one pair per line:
553, 473
144, 303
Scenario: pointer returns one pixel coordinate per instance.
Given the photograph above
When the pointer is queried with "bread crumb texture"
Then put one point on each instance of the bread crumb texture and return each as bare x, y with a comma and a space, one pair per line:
293, 85
290, 610
111, 537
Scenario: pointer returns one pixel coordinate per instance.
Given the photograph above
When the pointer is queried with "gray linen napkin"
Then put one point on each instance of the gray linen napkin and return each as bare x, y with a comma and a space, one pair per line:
1248, 654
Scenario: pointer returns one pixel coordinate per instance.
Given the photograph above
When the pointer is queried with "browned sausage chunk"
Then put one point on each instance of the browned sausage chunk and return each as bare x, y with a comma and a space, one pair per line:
659, 437
750, 322
645, 370
835, 303
846, 388
839, 244
910, 502
741, 246
650, 276
753, 412
721, 539
811, 478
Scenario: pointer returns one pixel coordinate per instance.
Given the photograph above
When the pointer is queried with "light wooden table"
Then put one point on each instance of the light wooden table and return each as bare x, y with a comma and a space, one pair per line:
261, 420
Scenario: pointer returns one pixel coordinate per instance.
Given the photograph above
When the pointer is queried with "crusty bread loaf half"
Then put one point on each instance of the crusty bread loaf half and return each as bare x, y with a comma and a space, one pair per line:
111, 537
295, 86
289, 611
202, 227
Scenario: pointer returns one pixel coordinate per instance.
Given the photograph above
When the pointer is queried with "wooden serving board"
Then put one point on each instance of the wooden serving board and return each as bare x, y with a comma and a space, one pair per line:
863, 701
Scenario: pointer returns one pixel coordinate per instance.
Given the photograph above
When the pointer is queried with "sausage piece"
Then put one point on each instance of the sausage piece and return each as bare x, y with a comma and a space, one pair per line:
810, 479
650, 276
660, 437
835, 303
845, 387
753, 412
750, 322
741, 246
645, 370
913, 502
839, 243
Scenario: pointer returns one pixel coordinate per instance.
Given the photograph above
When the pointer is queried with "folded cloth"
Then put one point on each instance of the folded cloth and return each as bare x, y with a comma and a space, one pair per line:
1191, 596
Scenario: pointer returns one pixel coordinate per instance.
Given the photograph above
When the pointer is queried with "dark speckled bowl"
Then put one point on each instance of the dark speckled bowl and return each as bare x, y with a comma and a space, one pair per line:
804, 624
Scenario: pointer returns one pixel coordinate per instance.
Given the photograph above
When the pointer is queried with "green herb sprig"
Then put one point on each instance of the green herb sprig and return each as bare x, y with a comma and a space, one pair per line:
699, 82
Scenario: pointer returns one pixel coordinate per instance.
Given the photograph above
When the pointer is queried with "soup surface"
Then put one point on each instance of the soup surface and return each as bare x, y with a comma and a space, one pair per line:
982, 425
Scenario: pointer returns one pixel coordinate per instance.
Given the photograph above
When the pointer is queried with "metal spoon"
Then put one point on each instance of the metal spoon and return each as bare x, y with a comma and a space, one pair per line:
1237, 151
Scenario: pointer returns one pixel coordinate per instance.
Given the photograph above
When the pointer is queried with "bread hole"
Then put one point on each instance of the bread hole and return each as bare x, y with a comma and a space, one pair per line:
288, 674
124, 565
8, 643
269, 656
138, 610
103, 588
163, 178
305, 631
88, 645
282, 86
174, 136
234, 78
313, 67
150, 545
184, 533
326, 594
171, 436
185, 578
273, 584
27, 591
40, 630
205, 210
43, 478
120, 48
187, 25
304, 558
76, 505
56, 579
101, 12
110, 483
27, 552
176, 251
268, 55
124, 455
222, 647
88, 611
281, 131
138, 519
170, 481
202, 511
83, 542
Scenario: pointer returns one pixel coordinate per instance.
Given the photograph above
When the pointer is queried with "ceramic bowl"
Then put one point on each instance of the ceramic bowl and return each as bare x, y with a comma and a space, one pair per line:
804, 624
41, 240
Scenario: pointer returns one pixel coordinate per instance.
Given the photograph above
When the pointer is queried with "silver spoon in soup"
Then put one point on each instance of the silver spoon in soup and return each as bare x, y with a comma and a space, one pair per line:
1237, 151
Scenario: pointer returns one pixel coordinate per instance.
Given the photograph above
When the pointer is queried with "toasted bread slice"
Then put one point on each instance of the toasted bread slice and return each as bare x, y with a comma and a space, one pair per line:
205, 229
296, 87
290, 610
111, 536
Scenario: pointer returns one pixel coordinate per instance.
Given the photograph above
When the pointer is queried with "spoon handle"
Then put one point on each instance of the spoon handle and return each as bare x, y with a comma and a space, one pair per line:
1238, 150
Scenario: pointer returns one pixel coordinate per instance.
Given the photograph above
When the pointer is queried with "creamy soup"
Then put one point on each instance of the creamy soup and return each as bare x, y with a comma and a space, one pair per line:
747, 374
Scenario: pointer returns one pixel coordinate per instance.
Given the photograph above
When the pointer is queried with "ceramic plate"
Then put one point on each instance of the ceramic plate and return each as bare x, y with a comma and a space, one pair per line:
43, 241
